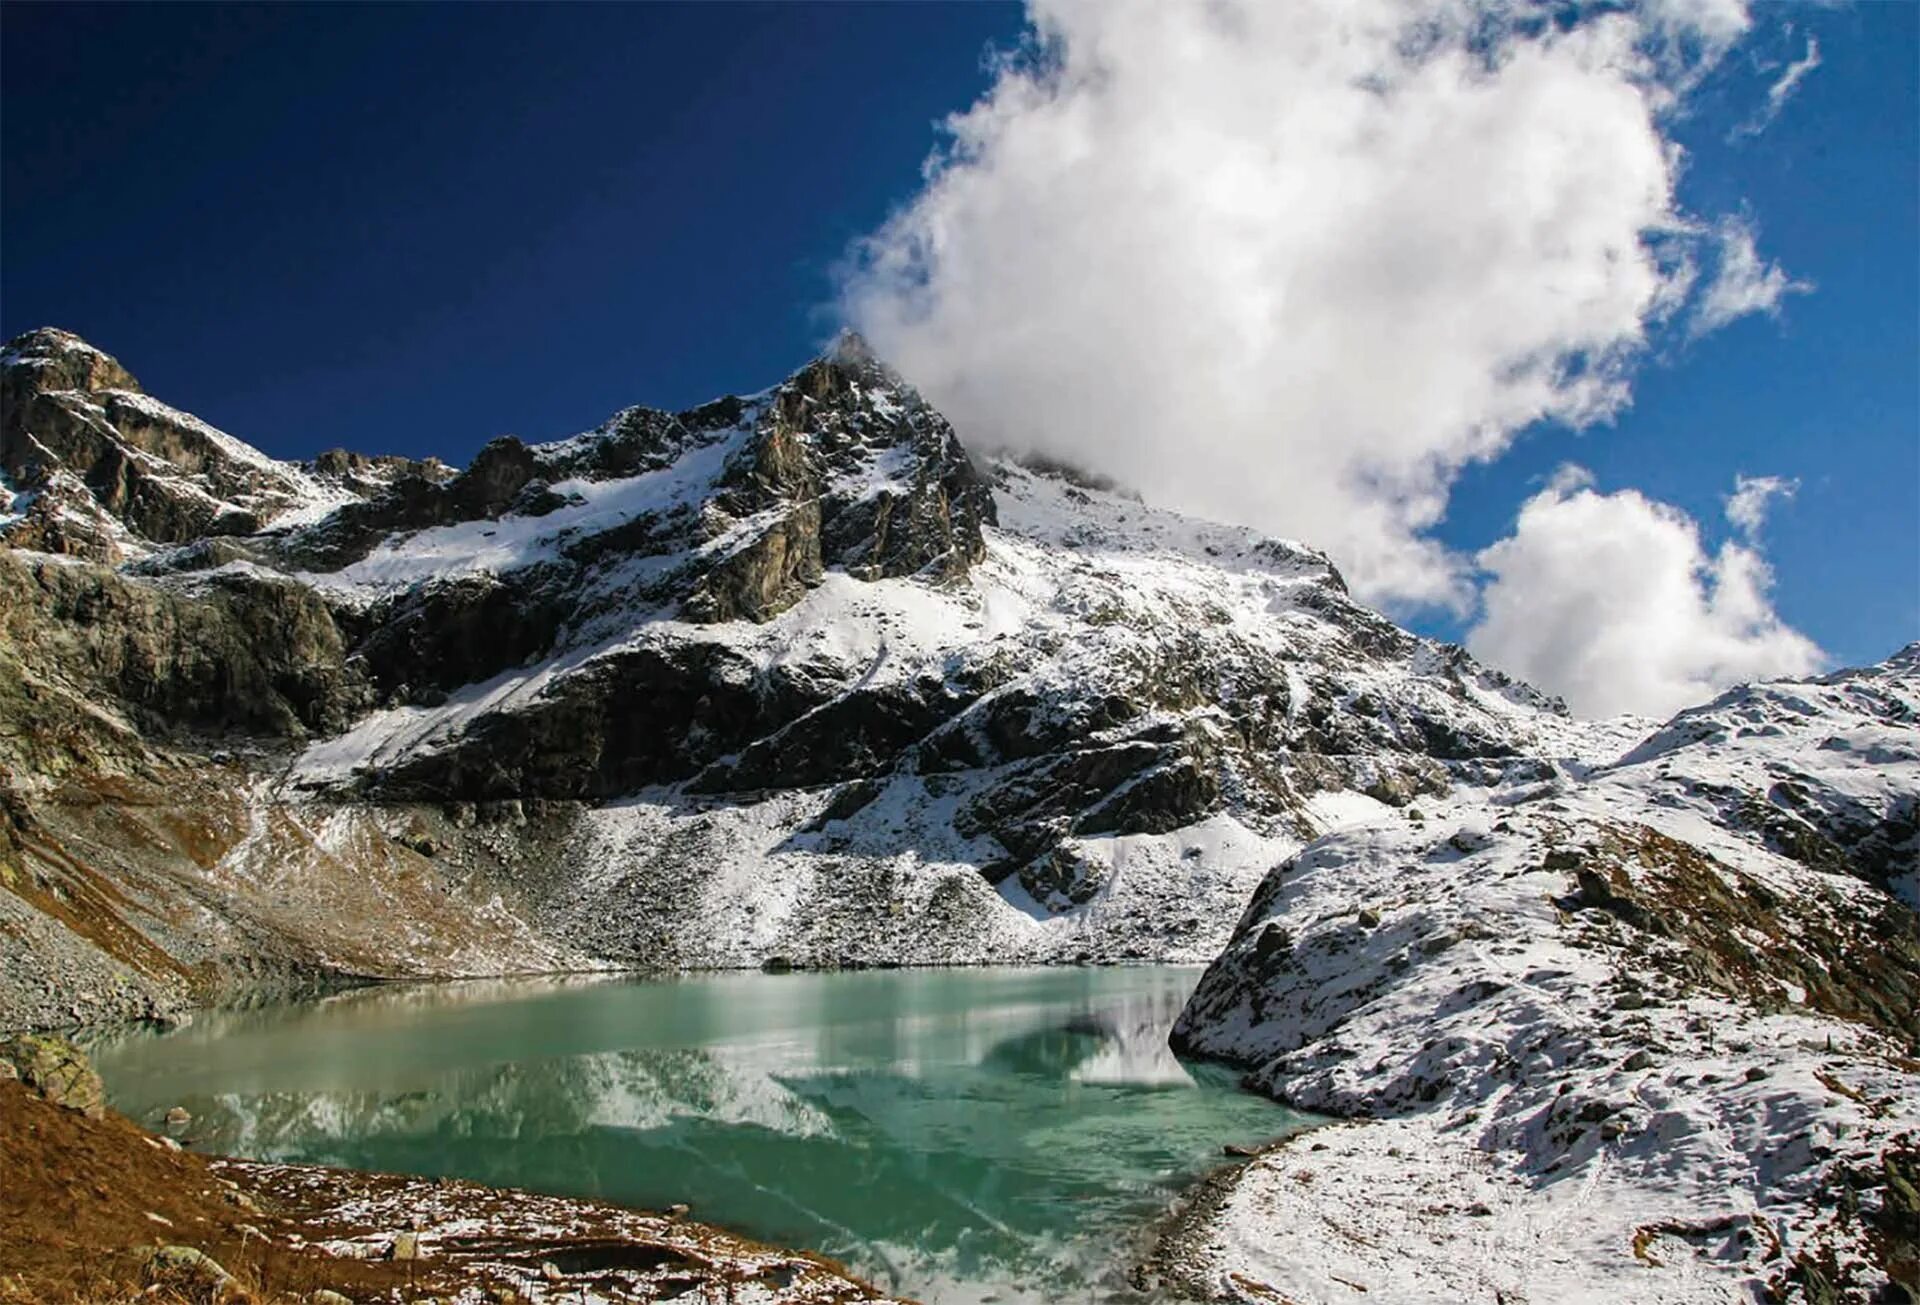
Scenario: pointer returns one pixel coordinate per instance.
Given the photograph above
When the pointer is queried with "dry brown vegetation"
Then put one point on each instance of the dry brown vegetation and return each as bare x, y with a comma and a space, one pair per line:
86, 1202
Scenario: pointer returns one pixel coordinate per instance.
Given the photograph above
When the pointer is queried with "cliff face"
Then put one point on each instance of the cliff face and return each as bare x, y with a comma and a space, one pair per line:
109, 472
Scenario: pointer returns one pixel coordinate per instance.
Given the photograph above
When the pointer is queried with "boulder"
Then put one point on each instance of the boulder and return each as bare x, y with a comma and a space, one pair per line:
56, 1069
191, 1269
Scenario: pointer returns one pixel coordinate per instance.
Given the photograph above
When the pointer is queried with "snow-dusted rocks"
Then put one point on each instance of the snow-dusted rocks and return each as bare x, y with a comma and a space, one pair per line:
95, 467
1620, 1039
1825, 772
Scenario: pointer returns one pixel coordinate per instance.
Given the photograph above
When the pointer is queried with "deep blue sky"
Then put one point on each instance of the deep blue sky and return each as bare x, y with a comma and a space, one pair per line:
410, 229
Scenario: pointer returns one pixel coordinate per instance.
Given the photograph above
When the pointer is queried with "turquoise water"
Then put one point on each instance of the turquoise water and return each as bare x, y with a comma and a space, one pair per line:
953, 1134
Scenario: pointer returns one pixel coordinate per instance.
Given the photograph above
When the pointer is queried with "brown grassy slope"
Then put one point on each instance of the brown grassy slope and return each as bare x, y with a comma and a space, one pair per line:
84, 1202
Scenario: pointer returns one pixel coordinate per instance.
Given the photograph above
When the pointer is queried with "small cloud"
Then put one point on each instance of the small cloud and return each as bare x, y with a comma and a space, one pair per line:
1744, 283
1781, 91
1568, 478
1752, 496
1612, 601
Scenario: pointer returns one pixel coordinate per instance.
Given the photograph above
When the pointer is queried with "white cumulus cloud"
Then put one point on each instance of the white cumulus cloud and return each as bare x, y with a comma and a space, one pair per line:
1614, 602
1296, 265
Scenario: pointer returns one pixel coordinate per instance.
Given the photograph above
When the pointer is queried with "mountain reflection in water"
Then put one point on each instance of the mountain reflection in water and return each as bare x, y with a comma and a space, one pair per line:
952, 1133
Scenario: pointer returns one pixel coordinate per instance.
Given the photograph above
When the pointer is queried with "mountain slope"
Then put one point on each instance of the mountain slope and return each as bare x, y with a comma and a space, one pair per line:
1666, 1010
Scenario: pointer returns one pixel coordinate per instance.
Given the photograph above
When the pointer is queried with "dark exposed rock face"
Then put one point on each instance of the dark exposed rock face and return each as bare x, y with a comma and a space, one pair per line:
253, 655
764, 577
437, 637
842, 467
632, 719
163, 476
798, 492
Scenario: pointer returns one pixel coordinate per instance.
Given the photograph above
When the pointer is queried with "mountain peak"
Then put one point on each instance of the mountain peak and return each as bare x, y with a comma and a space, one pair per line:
851, 348
109, 472
53, 359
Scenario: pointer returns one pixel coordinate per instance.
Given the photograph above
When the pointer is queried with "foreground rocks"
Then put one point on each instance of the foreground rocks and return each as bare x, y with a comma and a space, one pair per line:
55, 1070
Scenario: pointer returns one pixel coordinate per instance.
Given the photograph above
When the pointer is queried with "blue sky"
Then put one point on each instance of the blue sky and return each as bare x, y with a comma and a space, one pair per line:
410, 229
1829, 392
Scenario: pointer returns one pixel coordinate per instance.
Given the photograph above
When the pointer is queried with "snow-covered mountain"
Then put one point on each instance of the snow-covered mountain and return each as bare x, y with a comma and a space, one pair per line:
1647, 1031
793, 678
783, 676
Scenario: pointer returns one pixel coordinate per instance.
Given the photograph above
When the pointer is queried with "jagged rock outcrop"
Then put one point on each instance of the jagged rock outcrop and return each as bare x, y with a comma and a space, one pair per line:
111, 471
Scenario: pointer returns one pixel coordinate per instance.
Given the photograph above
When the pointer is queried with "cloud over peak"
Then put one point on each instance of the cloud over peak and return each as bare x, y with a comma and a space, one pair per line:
1299, 265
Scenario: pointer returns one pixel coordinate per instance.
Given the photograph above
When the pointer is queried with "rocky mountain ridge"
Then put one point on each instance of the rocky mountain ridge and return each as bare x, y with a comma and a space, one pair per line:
95, 467
1665, 1009
784, 676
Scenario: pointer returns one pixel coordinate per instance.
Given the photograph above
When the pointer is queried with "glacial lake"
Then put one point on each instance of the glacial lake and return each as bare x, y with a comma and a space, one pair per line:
956, 1135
